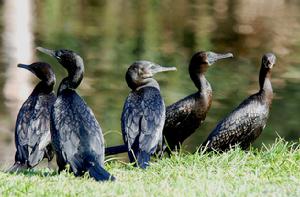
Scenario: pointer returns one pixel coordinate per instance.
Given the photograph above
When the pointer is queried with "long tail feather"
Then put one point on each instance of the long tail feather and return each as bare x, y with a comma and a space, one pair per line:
100, 174
17, 167
143, 159
116, 150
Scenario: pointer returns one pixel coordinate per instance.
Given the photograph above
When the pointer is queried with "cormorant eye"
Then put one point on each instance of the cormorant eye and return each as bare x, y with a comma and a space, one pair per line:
58, 54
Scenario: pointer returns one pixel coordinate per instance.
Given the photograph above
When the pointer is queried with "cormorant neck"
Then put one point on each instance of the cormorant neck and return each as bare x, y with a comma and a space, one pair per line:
44, 87
73, 80
197, 74
150, 82
75, 77
265, 82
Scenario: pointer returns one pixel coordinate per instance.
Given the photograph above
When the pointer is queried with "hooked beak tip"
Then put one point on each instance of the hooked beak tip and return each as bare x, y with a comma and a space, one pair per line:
46, 51
172, 69
163, 69
23, 66
215, 57
41, 49
226, 55
230, 55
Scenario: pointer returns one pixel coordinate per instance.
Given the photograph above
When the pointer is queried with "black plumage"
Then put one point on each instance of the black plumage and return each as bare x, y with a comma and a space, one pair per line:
115, 149
32, 131
76, 134
245, 123
143, 114
187, 114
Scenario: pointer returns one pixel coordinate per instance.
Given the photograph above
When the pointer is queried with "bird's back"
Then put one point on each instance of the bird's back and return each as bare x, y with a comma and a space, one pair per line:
185, 116
143, 119
32, 127
242, 126
76, 133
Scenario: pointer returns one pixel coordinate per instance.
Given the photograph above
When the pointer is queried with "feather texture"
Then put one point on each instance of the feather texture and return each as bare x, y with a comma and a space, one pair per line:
142, 123
32, 127
76, 133
242, 126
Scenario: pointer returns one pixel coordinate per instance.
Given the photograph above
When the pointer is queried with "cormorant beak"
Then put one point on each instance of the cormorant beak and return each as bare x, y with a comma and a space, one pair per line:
213, 57
28, 67
271, 64
157, 68
48, 52
271, 60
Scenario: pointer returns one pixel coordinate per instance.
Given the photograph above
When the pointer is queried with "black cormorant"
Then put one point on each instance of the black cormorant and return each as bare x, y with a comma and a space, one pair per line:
76, 134
245, 123
187, 114
32, 132
143, 114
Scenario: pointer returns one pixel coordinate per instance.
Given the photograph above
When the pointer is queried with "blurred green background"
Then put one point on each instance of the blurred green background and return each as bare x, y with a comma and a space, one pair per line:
110, 35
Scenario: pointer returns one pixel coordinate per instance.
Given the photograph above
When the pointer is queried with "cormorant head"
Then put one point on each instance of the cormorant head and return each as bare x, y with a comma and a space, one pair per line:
267, 63
42, 70
141, 72
67, 58
268, 60
206, 58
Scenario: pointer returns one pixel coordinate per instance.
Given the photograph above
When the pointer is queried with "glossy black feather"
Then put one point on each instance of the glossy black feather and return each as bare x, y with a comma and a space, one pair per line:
187, 114
32, 131
76, 134
184, 117
32, 127
142, 122
246, 122
116, 149
242, 126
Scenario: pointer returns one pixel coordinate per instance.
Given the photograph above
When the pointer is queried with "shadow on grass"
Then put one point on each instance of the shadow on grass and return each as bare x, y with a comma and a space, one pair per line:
32, 172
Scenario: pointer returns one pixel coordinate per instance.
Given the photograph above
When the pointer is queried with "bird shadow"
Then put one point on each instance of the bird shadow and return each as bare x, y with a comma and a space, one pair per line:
32, 172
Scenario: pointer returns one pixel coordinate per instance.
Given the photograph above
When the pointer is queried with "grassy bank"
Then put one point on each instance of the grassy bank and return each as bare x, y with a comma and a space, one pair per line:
270, 171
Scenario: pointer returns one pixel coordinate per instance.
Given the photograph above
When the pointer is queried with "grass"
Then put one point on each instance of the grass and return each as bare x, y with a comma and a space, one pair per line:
270, 171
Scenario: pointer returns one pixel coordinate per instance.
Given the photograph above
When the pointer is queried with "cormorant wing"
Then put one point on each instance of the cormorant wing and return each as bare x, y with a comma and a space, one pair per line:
244, 118
143, 119
32, 126
178, 112
78, 133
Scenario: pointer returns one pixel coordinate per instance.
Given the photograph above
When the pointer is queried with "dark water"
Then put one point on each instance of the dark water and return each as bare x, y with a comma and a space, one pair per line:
110, 35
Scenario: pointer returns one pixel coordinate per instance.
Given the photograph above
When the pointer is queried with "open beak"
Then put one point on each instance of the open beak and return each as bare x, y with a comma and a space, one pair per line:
47, 51
157, 68
213, 57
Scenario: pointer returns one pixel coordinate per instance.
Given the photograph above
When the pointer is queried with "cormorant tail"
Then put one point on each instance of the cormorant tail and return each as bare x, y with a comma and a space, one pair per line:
21, 160
143, 159
98, 173
116, 150
35, 156
17, 167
